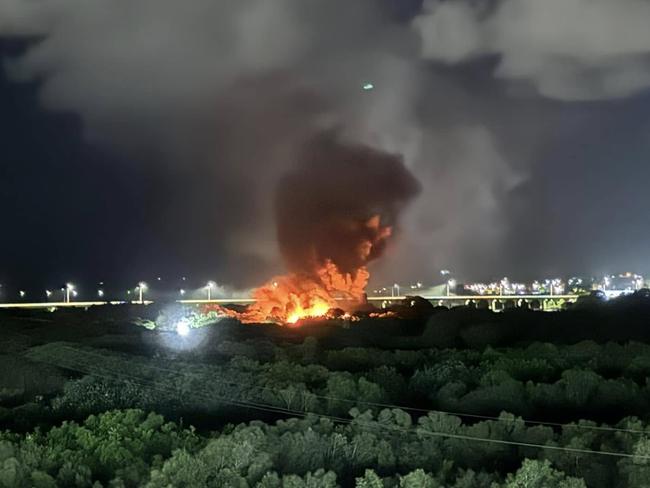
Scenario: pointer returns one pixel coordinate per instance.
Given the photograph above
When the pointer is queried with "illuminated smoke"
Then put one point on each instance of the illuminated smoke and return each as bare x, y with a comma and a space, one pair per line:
326, 204
335, 212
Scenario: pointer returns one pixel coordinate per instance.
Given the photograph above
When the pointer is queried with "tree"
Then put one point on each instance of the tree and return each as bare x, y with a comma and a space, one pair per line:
540, 474
637, 470
418, 479
579, 386
369, 480
472, 479
319, 479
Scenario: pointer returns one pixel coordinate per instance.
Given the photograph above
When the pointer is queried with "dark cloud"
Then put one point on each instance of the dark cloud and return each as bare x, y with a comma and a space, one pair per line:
205, 106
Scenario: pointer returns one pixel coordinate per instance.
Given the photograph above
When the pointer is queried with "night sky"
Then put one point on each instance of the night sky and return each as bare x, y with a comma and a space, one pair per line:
92, 197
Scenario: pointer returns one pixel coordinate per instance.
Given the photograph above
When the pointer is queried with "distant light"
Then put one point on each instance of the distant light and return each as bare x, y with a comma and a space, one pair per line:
159, 278
69, 286
22, 293
210, 284
368, 86
183, 327
184, 278
48, 293
74, 293
100, 293
182, 292
142, 285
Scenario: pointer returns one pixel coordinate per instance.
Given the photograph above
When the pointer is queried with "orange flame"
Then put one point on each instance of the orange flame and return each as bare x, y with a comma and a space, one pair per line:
292, 297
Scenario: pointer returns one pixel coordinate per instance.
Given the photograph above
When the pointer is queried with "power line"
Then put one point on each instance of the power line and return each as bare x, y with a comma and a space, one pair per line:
272, 409
401, 407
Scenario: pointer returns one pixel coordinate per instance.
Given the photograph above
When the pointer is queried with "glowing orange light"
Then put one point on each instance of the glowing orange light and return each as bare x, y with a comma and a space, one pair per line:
288, 299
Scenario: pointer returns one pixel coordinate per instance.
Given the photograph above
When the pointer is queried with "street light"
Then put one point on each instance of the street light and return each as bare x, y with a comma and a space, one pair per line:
48, 293
450, 283
182, 292
100, 293
395, 287
142, 287
69, 288
208, 287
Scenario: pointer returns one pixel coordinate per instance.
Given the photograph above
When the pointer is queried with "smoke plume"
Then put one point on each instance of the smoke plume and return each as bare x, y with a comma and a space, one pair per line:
222, 98
337, 203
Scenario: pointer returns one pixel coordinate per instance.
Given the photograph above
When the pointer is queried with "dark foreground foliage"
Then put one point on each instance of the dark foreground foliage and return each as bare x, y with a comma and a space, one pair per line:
84, 398
131, 448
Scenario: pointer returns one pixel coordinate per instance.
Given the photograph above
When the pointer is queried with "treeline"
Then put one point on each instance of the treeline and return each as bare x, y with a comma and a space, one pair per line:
542, 382
311, 416
128, 448
622, 319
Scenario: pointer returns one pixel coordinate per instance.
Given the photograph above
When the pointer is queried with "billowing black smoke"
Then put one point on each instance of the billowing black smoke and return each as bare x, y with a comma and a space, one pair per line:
340, 203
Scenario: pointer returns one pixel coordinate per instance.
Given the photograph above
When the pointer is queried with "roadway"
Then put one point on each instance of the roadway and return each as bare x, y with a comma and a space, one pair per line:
554, 300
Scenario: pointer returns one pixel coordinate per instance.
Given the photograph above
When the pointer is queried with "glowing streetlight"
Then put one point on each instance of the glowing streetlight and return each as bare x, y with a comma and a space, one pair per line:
182, 292
141, 288
450, 284
208, 288
392, 290
69, 288
100, 293
48, 293
22, 294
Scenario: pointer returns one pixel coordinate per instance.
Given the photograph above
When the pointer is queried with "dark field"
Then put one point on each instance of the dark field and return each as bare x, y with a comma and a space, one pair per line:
440, 398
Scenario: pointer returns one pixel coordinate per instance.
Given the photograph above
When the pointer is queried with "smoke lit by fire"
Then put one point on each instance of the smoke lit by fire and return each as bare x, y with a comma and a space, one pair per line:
335, 212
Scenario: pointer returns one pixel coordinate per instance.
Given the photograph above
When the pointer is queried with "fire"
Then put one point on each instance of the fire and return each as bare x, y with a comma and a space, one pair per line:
331, 208
319, 309
290, 298
295, 296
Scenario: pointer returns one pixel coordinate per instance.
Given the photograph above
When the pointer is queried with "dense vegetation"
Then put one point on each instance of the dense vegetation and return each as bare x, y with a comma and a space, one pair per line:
131, 448
120, 405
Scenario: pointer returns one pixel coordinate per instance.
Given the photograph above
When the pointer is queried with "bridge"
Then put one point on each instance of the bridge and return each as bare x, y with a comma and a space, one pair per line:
493, 302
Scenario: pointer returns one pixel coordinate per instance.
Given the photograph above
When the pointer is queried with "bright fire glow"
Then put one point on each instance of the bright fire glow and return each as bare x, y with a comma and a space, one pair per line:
292, 297
319, 309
